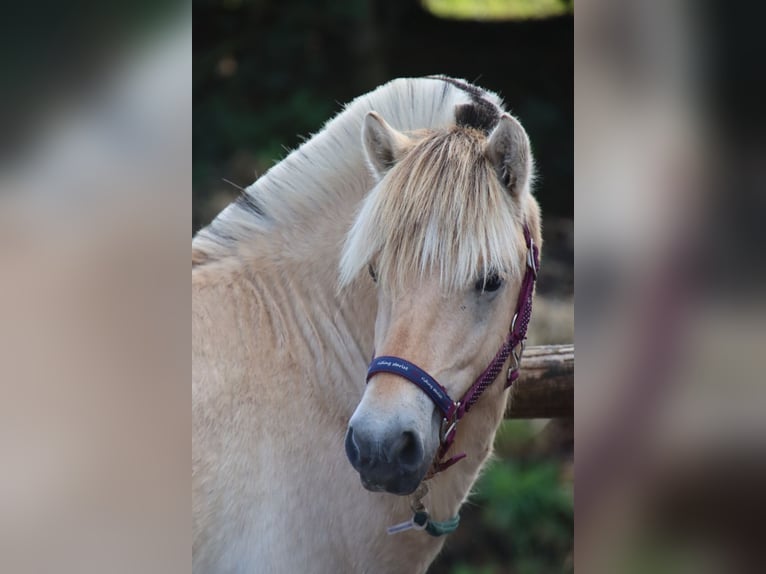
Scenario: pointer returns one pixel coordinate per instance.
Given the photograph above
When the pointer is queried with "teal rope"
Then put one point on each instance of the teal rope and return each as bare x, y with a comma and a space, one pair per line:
436, 528
441, 528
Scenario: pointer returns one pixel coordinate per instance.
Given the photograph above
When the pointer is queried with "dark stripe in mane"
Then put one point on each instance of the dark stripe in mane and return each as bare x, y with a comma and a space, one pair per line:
215, 233
471, 90
480, 114
250, 204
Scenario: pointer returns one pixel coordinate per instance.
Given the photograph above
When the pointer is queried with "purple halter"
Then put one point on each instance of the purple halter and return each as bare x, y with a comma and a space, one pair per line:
452, 411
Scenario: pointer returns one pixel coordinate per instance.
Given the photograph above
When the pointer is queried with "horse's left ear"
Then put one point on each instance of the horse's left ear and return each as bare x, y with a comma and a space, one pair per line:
509, 151
383, 145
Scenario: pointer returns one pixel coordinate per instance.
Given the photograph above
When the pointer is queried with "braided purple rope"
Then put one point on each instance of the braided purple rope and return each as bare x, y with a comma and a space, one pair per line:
516, 336
487, 377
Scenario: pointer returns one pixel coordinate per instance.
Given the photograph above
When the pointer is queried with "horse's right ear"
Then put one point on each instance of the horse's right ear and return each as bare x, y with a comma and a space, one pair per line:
509, 151
383, 145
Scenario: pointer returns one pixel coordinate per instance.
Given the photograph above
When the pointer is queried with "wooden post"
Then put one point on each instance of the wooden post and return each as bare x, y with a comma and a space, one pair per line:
545, 387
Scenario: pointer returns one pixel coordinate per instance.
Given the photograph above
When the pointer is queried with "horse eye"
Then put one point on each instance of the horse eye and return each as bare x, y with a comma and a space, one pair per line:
492, 283
374, 275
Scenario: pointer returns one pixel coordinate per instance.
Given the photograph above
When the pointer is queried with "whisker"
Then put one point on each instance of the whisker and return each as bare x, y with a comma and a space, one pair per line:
231, 183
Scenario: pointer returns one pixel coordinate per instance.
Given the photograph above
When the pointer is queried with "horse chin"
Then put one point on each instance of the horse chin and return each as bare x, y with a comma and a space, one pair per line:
402, 486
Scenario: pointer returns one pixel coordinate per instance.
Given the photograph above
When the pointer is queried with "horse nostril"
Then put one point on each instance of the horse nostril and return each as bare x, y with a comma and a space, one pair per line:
352, 450
410, 453
381, 461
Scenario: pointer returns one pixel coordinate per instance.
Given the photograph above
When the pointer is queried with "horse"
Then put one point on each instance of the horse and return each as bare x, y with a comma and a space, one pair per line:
404, 230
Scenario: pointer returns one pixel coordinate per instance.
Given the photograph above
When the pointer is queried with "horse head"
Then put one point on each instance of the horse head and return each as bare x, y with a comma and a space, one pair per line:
445, 236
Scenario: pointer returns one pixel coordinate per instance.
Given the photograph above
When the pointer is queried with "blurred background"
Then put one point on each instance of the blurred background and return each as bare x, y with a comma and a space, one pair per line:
95, 203
269, 74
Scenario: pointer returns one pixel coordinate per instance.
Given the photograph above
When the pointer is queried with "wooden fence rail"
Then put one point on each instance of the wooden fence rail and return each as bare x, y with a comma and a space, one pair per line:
545, 388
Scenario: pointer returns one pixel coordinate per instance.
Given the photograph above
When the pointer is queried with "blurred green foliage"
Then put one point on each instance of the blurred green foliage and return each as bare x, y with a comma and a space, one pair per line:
521, 519
530, 502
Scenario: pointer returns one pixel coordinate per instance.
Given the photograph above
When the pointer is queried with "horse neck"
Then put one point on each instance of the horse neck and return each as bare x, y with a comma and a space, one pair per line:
328, 331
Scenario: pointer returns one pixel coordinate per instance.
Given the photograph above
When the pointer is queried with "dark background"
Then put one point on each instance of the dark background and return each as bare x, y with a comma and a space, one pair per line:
268, 74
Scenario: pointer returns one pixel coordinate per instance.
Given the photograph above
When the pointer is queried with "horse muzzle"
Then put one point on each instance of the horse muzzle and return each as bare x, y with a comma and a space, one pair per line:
393, 461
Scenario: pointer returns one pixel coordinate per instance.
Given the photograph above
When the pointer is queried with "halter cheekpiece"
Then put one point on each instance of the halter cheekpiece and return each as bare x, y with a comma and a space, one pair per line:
513, 346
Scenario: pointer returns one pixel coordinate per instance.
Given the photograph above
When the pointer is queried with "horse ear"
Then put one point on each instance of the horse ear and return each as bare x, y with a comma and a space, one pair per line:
509, 151
383, 145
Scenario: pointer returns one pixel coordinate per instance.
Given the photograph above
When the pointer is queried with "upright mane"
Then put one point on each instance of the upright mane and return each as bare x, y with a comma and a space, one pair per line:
322, 183
442, 208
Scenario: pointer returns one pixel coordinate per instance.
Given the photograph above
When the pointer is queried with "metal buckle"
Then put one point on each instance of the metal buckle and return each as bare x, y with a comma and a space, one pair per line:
531, 257
448, 426
416, 499
517, 352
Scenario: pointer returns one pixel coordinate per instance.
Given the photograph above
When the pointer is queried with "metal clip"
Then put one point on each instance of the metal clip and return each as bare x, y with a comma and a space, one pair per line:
516, 354
416, 500
448, 426
531, 257
407, 525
